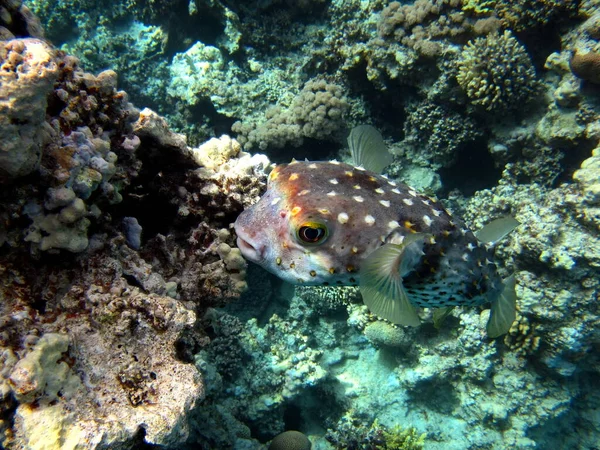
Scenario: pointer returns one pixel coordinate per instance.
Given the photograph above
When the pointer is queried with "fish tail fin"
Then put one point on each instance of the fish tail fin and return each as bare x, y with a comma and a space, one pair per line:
381, 280
368, 149
503, 312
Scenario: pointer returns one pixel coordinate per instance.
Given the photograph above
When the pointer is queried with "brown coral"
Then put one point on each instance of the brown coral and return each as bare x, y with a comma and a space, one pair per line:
586, 66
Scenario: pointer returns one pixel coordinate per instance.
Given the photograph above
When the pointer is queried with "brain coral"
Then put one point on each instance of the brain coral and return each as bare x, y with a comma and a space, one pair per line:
496, 72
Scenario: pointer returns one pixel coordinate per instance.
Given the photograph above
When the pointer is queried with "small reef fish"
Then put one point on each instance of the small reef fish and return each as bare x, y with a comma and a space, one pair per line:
330, 223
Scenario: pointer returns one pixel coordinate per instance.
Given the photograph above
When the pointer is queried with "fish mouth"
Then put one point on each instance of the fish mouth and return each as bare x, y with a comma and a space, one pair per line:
251, 252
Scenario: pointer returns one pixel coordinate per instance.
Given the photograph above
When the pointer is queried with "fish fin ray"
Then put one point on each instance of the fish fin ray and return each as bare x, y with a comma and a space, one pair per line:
381, 280
368, 148
440, 314
503, 311
497, 229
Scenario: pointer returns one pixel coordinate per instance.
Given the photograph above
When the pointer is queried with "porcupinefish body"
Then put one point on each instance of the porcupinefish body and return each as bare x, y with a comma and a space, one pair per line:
330, 223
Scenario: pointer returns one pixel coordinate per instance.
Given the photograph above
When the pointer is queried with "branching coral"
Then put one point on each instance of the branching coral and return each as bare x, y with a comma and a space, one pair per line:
496, 73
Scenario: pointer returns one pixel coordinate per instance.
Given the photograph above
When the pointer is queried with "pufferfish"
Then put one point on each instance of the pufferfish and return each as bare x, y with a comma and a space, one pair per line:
335, 224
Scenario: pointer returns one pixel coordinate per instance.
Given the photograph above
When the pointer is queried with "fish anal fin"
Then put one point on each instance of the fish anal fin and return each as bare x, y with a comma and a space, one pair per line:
440, 314
504, 309
497, 229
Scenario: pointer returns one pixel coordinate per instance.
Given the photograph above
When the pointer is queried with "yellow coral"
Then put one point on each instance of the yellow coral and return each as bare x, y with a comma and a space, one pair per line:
479, 6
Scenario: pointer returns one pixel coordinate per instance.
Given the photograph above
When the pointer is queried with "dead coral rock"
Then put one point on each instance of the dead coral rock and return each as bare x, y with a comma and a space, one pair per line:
586, 66
27, 72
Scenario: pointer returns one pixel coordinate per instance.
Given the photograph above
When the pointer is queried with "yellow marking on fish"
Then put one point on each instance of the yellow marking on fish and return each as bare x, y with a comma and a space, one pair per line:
372, 178
356, 186
354, 250
296, 210
348, 173
332, 270
350, 268
292, 265
278, 261
446, 233
304, 192
293, 177
323, 211
313, 273
274, 175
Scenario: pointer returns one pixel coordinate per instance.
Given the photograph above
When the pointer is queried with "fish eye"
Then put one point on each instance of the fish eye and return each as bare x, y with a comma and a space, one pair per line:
312, 233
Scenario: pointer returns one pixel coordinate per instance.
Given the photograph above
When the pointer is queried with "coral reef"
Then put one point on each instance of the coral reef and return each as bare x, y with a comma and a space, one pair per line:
496, 73
128, 316
317, 112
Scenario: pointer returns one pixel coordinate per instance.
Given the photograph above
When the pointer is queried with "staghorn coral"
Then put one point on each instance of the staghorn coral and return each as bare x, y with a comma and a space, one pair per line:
496, 73
316, 112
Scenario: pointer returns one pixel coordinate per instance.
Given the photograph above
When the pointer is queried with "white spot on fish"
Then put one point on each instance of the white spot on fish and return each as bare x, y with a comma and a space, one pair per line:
427, 220
331, 194
407, 201
343, 217
356, 186
413, 193
393, 225
392, 183
426, 202
463, 231
489, 246
487, 261
379, 191
395, 191
385, 203
333, 181
304, 192
436, 212
397, 239
358, 199
465, 257
275, 201
335, 162
361, 168
471, 247
312, 166
432, 240
369, 219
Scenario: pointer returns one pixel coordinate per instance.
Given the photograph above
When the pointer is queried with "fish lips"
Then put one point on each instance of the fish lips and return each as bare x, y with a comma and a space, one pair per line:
252, 251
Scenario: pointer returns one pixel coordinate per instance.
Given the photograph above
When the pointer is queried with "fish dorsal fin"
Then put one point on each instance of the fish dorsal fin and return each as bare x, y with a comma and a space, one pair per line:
504, 310
497, 229
381, 280
368, 149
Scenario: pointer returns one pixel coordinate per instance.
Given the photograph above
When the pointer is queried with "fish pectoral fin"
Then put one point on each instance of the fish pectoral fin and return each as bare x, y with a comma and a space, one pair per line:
503, 312
440, 314
497, 229
381, 280
368, 149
